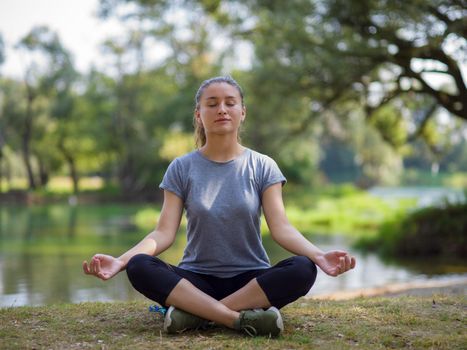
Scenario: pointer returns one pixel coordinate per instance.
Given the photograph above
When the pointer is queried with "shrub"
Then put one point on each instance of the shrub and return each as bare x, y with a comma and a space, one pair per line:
429, 231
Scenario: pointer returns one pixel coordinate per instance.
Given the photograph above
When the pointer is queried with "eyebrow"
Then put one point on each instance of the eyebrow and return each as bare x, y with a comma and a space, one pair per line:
215, 97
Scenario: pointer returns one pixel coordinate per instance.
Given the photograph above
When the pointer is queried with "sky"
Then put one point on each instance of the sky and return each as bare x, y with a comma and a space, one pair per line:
75, 21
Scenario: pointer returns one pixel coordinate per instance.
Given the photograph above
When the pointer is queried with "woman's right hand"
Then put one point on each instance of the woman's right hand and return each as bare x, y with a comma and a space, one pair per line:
103, 266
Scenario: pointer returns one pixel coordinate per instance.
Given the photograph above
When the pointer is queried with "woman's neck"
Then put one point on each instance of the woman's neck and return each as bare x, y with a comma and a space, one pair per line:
221, 150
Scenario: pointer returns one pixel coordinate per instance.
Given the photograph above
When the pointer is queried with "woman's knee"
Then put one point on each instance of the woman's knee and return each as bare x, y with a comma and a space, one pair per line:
138, 265
137, 260
289, 280
304, 272
151, 277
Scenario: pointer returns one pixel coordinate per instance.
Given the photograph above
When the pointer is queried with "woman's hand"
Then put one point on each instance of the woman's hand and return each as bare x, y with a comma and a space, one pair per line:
103, 266
335, 262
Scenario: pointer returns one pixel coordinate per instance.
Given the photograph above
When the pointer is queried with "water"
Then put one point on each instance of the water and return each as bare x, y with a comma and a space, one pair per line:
42, 249
425, 196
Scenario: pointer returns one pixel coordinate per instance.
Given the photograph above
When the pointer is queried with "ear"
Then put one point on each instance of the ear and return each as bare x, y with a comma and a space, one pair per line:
198, 117
243, 113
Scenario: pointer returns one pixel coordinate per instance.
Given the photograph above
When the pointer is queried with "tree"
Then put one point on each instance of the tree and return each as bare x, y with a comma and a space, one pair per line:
2, 125
59, 89
374, 57
2, 50
316, 62
11, 112
129, 119
48, 80
406, 45
154, 97
377, 52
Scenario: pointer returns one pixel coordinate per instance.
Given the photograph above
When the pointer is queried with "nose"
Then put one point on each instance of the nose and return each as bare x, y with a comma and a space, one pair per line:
222, 110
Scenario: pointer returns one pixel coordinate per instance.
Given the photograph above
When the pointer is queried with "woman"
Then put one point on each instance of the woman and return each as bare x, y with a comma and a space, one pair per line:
224, 276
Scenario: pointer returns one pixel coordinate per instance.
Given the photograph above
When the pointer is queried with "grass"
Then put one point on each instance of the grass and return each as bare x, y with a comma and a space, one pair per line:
437, 322
57, 185
334, 210
62, 184
342, 209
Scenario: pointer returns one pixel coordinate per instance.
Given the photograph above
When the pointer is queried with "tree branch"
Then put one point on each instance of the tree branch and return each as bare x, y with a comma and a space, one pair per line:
407, 51
452, 26
430, 52
453, 104
421, 128
369, 110
324, 106
435, 71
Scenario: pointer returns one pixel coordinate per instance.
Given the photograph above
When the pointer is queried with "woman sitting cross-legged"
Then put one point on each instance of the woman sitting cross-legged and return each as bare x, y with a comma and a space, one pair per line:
224, 276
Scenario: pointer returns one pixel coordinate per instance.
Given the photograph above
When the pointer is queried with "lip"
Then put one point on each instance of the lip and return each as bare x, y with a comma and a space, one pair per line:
222, 120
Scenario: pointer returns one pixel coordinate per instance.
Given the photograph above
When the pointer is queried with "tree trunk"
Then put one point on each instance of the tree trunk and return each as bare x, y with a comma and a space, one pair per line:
70, 160
27, 163
2, 143
43, 173
26, 140
74, 175
1, 170
126, 177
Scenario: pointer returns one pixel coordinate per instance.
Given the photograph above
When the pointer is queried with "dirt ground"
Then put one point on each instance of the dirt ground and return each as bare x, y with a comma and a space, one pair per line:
456, 286
457, 289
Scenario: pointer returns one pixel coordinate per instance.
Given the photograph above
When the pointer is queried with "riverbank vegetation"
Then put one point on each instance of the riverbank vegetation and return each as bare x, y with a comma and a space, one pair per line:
343, 210
426, 232
435, 322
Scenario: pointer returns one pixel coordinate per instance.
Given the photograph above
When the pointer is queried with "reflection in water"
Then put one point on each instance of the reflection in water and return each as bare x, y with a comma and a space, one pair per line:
72, 219
42, 248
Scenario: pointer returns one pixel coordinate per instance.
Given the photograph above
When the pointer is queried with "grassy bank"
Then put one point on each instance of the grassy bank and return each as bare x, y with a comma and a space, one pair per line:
426, 232
333, 210
435, 322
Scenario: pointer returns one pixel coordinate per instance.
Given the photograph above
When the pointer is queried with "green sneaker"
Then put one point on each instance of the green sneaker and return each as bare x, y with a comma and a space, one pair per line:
178, 321
260, 322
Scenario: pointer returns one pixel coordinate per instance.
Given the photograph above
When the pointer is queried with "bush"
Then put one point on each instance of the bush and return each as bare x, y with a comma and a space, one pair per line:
426, 232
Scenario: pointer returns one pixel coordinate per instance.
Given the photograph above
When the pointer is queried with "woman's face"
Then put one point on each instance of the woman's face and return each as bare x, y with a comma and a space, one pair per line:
220, 109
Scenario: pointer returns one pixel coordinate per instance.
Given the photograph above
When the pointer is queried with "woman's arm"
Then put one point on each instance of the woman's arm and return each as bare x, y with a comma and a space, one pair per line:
106, 266
164, 235
333, 263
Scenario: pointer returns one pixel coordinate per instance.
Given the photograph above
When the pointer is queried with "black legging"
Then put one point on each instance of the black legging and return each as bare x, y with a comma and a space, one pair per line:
283, 283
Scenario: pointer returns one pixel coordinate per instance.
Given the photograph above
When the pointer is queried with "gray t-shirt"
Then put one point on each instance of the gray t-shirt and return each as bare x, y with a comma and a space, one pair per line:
223, 209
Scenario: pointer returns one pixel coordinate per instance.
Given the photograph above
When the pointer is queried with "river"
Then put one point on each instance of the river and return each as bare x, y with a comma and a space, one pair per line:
42, 249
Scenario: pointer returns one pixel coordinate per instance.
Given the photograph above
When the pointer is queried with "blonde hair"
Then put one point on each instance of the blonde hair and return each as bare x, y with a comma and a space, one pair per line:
200, 134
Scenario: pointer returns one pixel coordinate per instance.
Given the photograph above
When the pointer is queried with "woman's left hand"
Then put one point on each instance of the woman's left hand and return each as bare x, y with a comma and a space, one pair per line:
335, 262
